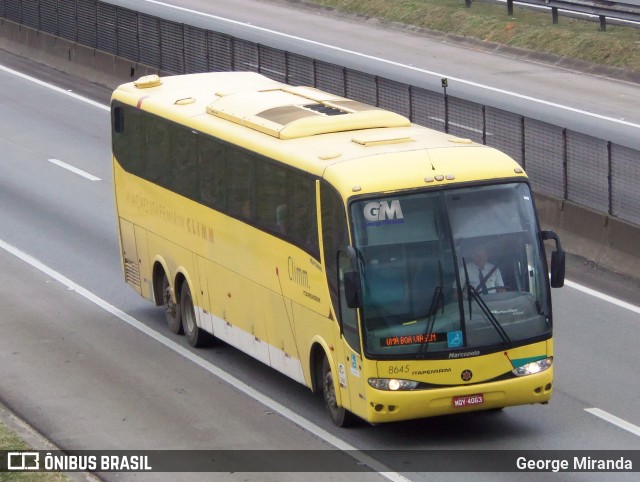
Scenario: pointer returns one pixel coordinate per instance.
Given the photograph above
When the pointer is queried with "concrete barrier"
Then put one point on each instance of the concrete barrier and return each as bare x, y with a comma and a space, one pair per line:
96, 66
598, 237
607, 241
623, 248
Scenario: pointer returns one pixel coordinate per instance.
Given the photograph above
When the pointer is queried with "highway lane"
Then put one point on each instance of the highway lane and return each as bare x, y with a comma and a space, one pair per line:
88, 381
594, 105
67, 221
77, 373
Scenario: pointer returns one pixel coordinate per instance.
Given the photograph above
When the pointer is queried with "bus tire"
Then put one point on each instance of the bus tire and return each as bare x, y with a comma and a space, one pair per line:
171, 309
196, 336
339, 415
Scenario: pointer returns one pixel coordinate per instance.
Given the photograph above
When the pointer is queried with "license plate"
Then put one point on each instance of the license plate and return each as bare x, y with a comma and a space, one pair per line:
468, 400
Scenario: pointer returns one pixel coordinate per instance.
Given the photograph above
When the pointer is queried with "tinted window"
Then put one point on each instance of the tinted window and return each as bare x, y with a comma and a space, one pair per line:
334, 236
233, 180
302, 220
184, 163
212, 173
155, 150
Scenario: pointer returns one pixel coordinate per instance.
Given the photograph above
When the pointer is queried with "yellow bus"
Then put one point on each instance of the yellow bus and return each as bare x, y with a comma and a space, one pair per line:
395, 270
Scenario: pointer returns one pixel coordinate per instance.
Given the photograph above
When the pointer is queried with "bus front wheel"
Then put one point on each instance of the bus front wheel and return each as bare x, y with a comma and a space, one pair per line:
339, 415
171, 309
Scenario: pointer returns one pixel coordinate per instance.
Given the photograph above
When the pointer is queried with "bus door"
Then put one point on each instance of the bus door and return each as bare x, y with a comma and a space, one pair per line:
350, 344
347, 351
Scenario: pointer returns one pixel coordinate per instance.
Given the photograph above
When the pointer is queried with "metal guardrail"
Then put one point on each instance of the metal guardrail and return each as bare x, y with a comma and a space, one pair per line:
603, 9
586, 170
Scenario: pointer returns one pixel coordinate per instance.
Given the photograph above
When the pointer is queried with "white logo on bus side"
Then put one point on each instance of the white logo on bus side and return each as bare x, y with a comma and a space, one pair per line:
380, 211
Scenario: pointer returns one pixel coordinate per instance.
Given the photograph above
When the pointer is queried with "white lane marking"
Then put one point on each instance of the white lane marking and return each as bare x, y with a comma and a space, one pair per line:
73, 169
397, 64
211, 368
617, 421
602, 296
53, 87
571, 284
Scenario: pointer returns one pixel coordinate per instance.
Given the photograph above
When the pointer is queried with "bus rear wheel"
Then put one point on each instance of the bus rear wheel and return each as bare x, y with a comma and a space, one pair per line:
171, 309
195, 335
339, 415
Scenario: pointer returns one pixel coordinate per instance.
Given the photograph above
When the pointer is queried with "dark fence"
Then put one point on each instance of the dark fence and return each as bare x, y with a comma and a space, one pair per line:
569, 165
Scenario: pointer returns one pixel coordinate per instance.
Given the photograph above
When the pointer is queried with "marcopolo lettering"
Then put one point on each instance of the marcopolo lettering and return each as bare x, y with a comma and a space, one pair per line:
383, 212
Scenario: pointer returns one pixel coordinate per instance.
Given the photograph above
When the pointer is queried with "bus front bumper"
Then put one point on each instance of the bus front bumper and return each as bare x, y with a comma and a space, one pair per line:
390, 406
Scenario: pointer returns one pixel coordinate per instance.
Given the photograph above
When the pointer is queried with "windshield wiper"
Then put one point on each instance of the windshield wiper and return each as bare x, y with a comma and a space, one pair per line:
436, 301
487, 312
472, 293
468, 285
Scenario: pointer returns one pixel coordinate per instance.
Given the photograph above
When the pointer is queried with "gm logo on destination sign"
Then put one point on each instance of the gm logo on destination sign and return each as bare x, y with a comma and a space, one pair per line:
383, 212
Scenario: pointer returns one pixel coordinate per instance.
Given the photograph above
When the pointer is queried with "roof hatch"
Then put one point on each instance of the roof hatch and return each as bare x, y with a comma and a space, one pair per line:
292, 112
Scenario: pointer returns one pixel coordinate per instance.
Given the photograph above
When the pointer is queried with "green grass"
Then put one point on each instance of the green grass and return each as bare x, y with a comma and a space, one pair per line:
571, 38
10, 441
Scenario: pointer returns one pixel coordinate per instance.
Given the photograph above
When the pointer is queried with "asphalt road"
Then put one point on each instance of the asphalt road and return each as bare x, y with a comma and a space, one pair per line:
75, 362
89, 376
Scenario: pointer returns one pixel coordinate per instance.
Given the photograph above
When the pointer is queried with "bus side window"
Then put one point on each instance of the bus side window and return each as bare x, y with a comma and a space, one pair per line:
271, 196
211, 172
281, 218
127, 140
302, 220
184, 173
239, 179
118, 120
156, 151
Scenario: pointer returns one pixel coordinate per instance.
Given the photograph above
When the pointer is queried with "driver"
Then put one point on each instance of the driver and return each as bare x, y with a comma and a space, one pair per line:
483, 276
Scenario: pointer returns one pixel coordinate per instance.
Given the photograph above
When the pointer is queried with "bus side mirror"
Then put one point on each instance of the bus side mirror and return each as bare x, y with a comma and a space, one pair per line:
557, 260
352, 289
349, 276
557, 269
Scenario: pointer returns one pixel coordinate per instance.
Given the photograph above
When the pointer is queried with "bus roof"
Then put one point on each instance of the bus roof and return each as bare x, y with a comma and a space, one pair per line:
357, 147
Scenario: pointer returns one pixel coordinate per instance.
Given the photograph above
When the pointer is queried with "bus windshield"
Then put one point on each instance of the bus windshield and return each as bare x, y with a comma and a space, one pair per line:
448, 270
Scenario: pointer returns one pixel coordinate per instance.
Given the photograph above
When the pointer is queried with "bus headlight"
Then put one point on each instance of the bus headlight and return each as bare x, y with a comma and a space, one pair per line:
392, 384
533, 368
